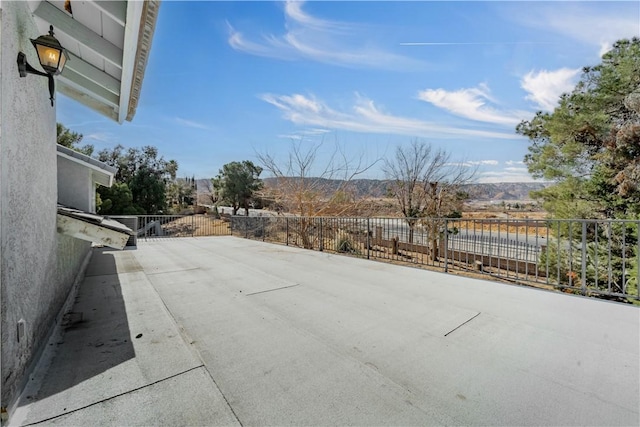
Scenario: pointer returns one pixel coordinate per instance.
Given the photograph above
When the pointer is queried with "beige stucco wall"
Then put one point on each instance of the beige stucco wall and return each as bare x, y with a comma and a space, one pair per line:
38, 266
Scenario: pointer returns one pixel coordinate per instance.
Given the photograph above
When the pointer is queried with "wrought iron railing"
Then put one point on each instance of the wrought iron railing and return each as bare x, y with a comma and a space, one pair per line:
589, 257
163, 226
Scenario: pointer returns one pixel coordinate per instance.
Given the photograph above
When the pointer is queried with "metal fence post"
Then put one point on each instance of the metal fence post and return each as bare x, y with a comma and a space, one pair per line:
246, 227
263, 229
321, 238
368, 239
638, 261
193, 225
287, 229
446, 246
584, 257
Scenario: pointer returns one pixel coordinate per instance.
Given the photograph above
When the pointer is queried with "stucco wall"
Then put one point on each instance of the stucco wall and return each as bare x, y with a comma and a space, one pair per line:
75, 185
34, 280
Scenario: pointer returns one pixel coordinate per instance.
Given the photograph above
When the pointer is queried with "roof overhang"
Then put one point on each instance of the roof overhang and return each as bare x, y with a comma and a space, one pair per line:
108, 44
101, 173
92, 228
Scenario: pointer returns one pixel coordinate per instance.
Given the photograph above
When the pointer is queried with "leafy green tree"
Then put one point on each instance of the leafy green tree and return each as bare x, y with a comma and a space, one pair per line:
236, 184
117, 200
69, 139
590, 144
182, 193
146, 175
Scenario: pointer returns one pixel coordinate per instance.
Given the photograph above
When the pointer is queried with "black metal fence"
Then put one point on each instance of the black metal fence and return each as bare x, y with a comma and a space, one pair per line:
590, 257
163, 226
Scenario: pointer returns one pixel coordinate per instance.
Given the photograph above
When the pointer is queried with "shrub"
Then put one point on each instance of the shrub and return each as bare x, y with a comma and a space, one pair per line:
345, 244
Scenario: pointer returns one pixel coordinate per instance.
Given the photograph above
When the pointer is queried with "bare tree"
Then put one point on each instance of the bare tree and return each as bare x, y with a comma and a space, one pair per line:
427, 184
305, 187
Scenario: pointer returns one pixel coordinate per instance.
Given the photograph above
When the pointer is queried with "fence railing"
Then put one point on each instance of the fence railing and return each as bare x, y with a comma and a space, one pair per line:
590, 257
163, 226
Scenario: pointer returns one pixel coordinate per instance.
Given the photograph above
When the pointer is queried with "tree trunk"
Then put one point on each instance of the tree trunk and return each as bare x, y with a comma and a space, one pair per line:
304, 234
434, 248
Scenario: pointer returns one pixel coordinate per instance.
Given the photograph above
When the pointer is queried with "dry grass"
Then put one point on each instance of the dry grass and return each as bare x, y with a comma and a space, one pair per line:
197, 226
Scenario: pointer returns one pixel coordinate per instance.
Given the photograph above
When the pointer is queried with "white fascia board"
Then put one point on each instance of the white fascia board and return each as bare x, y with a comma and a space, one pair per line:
130, 50
101, 173
87, 231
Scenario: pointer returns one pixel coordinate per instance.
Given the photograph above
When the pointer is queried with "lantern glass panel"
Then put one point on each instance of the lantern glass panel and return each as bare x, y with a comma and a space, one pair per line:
49, 57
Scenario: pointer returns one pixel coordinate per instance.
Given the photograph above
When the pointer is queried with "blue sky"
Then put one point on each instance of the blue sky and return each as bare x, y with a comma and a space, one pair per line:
227, 80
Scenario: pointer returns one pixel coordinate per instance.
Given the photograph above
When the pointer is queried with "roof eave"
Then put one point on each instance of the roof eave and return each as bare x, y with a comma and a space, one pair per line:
102, 173
142, 36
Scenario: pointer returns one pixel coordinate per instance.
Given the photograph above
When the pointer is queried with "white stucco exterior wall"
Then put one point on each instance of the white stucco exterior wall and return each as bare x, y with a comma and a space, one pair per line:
75, 185
38, 266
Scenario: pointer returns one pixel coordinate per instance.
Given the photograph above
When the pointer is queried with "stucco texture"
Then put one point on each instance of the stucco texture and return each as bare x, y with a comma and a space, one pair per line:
75, 185
38, 266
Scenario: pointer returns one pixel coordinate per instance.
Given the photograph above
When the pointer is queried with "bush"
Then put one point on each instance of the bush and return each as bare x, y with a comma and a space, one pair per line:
345, 244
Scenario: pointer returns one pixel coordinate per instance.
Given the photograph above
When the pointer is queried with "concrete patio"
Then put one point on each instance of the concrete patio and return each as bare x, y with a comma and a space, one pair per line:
224, 331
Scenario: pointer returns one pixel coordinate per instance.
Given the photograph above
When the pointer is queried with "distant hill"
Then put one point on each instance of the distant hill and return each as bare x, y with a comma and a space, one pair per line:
378, 188
504, 190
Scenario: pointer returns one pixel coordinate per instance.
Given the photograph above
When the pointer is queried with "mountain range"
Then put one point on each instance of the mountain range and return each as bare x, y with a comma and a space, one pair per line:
378, 188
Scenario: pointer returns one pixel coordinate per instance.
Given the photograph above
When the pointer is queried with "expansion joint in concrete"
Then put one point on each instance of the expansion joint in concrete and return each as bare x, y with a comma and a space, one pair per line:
462, 324
224, 397
115, 396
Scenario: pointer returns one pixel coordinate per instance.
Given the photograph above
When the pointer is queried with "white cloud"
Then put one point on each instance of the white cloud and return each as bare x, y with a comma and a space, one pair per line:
505, 176
311, 38
545, 87
293, 136
469, 163
516, 170
293, 10
191, 123
484, 162
514, 162
472, 103
365, 116
595, 23
599, 27
305, 134
99, 136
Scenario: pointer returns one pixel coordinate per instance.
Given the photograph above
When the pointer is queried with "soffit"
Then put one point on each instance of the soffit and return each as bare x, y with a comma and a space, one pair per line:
108, 44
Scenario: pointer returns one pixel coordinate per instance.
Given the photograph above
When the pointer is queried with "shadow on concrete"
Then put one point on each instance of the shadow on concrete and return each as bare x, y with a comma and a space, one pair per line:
96, 332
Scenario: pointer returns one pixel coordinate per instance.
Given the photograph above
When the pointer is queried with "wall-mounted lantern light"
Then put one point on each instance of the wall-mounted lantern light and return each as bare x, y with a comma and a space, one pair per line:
52, 57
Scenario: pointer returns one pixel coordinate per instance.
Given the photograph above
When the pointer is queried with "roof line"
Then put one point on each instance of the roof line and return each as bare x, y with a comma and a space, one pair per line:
145, 37
88, 161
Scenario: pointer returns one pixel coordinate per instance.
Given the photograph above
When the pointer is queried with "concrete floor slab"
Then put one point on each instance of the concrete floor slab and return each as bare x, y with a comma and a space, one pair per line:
119, 338
186, 399
340, 329
294, 337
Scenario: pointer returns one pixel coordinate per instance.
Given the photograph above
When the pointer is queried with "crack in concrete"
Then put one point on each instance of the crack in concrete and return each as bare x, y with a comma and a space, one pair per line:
271, 290
462, 324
